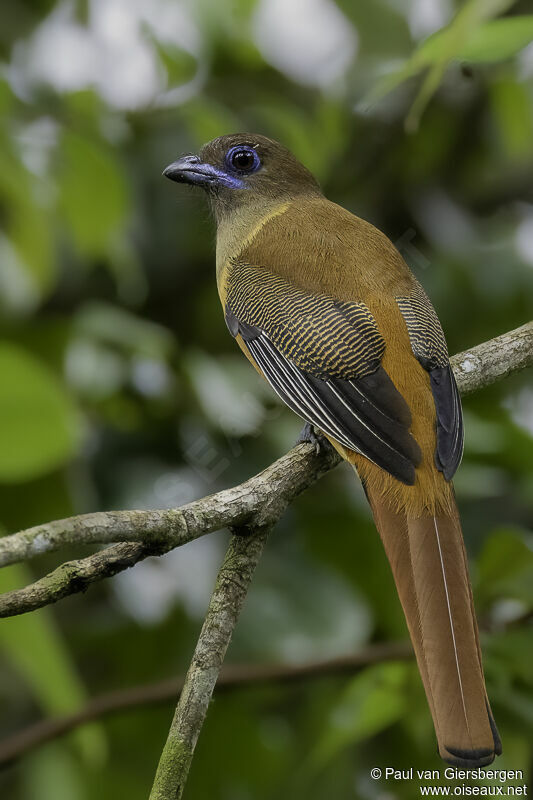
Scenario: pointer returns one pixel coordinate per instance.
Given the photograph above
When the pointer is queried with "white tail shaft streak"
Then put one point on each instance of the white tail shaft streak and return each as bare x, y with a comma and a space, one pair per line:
452, 629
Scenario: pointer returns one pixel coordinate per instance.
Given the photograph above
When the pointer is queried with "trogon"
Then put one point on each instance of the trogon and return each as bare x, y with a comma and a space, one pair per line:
327, 311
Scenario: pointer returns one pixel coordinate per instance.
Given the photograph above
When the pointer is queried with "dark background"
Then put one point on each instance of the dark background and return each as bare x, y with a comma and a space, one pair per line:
120, 387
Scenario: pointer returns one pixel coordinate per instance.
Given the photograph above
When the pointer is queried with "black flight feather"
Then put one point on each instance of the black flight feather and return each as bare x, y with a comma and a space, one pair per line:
366, 414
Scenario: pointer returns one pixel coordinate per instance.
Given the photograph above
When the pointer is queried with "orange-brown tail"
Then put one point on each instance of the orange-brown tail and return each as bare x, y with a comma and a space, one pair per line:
428, 560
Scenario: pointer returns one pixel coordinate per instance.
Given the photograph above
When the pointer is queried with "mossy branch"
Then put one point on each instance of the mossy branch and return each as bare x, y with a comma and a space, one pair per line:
228, 597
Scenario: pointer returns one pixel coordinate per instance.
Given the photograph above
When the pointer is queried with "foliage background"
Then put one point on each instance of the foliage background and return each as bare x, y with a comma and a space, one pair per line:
120, 387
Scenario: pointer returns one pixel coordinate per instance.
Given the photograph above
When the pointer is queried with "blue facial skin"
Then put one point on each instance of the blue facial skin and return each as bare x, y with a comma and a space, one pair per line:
190, 169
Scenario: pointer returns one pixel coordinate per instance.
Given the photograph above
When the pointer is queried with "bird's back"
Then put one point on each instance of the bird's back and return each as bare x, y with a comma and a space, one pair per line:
318, 245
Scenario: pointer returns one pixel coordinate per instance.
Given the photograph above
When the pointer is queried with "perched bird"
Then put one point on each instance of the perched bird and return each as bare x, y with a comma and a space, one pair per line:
325, 308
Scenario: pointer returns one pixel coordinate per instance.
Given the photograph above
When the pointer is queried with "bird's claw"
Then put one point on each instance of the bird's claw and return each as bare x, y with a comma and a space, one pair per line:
310, 436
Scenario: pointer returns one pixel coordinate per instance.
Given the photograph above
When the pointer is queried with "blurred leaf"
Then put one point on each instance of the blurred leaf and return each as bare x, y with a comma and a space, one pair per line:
38, 423
119, 327
82, 11
93, 193
225, 393
517, 703
208, 118
498, 39
373, 701
179, 65
447, 45
510, 653
50, 499
18, 20
504, 554
53, 774
6, 96
34, 645
226, 24
514, 115
354, 534
505, 567
478, 480
435, 54
27, 230
380, 27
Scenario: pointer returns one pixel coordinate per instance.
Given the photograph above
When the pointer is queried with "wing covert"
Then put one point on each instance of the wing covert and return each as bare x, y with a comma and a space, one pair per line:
429, 347
322, 357
319, 334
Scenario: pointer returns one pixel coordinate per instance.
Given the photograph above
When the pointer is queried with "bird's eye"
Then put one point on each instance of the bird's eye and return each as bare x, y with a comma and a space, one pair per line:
243, 159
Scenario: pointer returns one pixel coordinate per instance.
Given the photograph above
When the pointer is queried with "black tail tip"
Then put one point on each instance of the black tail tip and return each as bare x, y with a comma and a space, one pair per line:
480, 757
477, 757
495, 733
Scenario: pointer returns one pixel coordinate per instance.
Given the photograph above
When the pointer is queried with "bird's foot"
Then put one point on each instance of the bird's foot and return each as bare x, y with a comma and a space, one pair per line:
309, 435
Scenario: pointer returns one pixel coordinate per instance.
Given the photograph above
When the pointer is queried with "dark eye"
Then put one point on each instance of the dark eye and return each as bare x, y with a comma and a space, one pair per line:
243, 159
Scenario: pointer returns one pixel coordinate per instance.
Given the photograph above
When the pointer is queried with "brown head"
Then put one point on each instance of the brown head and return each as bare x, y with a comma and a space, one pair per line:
243, 167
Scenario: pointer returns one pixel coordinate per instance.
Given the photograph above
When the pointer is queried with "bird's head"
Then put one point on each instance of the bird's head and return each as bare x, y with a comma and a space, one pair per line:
241, 167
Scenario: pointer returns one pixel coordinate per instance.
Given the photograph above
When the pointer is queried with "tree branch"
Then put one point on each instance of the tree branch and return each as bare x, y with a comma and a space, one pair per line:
233, 676
74, 576
494, 360
225, 605
265, 497
261, 499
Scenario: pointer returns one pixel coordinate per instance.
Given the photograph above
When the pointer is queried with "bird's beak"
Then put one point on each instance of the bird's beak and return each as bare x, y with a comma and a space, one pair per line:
190, 169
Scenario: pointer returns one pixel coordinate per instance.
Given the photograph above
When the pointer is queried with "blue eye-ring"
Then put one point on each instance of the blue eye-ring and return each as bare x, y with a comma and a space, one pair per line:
242, 158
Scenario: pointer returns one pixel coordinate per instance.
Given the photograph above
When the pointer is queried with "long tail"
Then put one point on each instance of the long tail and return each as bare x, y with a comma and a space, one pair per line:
428, 560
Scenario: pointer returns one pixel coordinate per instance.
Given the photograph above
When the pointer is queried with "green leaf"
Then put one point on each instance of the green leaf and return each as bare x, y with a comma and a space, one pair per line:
445, 47
38, 422
436, 53
93, 193
498, 39
26, 247
179, 65
505, 567
514, 116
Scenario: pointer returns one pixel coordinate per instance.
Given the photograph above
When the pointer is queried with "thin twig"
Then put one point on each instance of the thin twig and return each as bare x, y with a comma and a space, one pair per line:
233, 676
73, 577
